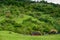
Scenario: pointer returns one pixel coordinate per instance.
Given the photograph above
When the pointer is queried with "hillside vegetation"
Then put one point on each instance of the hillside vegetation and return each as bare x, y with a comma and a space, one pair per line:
26, 17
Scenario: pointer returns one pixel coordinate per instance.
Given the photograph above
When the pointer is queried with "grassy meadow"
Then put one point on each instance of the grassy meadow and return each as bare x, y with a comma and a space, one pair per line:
4, 35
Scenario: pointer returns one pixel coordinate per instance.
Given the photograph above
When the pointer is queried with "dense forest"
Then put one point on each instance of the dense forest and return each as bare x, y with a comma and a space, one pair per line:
26, 16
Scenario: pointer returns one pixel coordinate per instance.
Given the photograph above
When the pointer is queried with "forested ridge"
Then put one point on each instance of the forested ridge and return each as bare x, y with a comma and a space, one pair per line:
26, 17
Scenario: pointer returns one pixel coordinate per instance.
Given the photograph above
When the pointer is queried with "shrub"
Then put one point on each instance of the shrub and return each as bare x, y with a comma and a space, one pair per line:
53, 31
36, 33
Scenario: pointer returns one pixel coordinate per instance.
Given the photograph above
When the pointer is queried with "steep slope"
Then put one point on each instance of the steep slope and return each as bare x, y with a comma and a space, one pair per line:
25, 18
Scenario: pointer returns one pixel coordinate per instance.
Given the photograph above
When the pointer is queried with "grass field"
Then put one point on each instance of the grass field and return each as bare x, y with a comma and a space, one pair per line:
4, 35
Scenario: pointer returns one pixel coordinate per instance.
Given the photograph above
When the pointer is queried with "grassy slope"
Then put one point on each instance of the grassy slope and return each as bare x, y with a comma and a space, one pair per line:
4, 35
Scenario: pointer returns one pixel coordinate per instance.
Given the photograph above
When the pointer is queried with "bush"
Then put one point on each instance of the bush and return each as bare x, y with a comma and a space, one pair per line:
53, 31
36, 33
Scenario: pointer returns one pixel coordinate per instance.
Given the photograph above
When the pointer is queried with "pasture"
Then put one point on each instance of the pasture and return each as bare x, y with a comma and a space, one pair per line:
4, 35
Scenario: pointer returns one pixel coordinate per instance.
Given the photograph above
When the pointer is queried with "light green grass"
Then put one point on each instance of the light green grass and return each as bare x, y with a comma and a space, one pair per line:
4, 35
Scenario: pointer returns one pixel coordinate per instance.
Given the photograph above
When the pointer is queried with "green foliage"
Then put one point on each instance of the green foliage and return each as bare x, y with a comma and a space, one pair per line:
26, 17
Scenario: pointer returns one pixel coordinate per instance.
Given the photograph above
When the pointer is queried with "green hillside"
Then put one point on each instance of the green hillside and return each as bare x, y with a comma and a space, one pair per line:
26, 17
